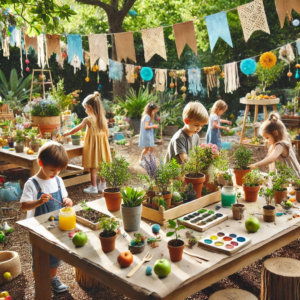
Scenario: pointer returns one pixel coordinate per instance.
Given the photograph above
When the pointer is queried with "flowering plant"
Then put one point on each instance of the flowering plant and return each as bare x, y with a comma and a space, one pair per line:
44, 108
151, 168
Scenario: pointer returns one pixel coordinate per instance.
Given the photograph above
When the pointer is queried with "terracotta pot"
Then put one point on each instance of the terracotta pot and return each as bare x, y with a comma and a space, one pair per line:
107, 244
239, 174
251, 193
113, 199
197, 183
168, 199
35, 147
269, 213
154, 205
238, 211
297, 191
176, 251
279, 196
177, 203
46, 124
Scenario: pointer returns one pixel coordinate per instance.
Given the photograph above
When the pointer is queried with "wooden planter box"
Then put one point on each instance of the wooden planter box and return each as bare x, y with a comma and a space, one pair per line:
93, 226
178, 211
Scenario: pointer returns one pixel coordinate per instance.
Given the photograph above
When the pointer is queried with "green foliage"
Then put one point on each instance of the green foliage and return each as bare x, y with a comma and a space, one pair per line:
222, 163
122, 142
32, 135
19, 136
268, 194
76, 135
253, 178
84, 206
139, 239
297, 184
242, 157
155, 199
132, 197
176, 197
176, 186
115, 172
283, 177
163, 203
109, 225
173, 226
45, 108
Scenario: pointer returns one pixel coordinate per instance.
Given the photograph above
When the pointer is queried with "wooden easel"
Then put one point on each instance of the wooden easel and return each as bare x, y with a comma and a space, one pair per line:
43, 82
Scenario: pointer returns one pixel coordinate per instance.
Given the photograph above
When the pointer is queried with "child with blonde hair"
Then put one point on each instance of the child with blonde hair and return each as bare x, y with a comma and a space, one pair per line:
214, 125
195, 116
278, 138
96, 147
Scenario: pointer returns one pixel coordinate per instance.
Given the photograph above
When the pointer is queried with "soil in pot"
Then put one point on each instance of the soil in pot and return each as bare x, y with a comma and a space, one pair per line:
196, 182
251, 193
279, 196
297, 193
269, 213
113, 199
176, 248
238, 211
239, 174
168, 199
107, 243
92, 215
19, 148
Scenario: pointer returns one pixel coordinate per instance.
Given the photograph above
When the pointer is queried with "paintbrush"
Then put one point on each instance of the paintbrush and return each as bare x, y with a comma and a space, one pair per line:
62, 204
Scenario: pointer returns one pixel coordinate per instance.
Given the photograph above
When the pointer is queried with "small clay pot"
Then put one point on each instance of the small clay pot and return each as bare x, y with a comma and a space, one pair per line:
269, 213
168, 199
238, 211
136, 249
177, 203
239, 174
297, 193
176, 251
196, 182
113, 199
35, 147
279, 196
251, 193
154, 205
107, 243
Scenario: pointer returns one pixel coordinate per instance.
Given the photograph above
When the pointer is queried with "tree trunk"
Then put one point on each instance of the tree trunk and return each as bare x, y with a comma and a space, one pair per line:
232, 294
280, 279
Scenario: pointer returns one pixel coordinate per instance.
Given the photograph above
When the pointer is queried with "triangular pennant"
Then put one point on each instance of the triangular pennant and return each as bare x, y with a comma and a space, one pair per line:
75, 47
41, 51
217, 26
185, 34
154, 43
284, 9
98, 48
125, 46
253, 17
30, 41
53, 45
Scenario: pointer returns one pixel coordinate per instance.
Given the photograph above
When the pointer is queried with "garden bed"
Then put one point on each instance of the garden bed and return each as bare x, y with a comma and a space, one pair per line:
90, 218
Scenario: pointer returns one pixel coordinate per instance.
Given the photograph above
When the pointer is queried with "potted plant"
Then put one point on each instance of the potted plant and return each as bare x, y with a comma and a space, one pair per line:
108, 235
252, 182
297, 189
190, 193
10, 140
131, 208
115, 173
20, 141
176, 199
242, 157
175, 246
34, 143
162, 204
75, 138
154, 203
269, 210
238, 208
138, 244
163, 176
222, 166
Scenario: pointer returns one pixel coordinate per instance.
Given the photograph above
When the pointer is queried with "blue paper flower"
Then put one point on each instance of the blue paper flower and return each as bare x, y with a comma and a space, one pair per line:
146, 74
248, 66
149, 271
155, 228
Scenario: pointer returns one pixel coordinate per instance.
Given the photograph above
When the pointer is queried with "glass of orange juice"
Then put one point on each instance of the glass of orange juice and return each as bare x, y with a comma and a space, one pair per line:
67, 218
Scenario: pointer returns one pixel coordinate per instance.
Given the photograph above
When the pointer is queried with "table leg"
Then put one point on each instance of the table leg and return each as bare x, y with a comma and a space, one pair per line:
265, 112
35, 168
255, 119
244, 124
274, 107
41, 274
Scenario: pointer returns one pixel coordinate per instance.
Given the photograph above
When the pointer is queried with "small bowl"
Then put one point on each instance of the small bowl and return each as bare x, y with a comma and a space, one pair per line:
136, 249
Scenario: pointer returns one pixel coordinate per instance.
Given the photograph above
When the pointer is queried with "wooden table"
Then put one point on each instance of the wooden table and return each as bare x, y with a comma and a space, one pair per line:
257, 103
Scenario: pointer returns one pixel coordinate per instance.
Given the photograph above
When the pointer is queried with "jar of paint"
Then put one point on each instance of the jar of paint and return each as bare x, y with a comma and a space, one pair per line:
67, 218
228, 194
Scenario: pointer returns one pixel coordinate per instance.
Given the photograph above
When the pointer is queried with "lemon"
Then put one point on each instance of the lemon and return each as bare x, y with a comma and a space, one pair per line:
6, 275
4, 294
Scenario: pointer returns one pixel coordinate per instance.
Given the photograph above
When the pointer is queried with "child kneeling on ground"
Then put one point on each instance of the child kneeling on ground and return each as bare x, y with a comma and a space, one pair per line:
39, 191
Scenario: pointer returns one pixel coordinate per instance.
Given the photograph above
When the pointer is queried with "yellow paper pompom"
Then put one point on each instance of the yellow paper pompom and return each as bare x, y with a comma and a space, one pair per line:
268, 60
87, 79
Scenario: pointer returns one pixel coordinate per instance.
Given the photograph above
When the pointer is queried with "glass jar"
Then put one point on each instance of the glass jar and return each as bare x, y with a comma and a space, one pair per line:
67, 218
228, 194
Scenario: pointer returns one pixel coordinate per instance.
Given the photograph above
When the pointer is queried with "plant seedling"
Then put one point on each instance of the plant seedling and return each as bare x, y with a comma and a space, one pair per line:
173, 226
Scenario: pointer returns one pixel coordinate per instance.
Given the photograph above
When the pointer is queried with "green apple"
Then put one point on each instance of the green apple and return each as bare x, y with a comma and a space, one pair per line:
252, 224
79, 239
162, 268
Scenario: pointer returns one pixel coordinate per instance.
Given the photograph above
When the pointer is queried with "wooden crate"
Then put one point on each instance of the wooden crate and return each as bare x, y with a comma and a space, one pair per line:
93, 226
181, 210
74, 175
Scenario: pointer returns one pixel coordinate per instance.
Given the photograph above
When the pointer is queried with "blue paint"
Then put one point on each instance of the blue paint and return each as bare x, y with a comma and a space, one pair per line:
208, 241
241, 239
232, 235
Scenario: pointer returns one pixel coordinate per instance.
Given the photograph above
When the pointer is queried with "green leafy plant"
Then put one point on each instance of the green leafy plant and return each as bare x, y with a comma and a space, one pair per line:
268, 194
189, 190
297, 184
283, 177
176, 197
222, 163
33, 139
290, 106
108, 225
205, 191
115, 172
253, 178
45, 108
163, 203
155, 199
176, 229
122, 142
242, 157
139, 239
176, 186
19, 136
132, 197
76, 135
84, 206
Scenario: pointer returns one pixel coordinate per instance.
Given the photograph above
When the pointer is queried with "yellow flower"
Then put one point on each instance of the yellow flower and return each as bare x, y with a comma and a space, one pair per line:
268, 60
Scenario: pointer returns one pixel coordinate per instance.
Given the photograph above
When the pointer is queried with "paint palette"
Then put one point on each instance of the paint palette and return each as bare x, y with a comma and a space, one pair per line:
222, 242
202, 219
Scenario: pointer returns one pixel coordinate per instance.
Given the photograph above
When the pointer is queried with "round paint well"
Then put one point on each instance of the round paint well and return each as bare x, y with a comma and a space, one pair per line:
228, 246
208, 241
241, 239
232, 235
234, 243
213, 237
220, 234
227, 238
219, 244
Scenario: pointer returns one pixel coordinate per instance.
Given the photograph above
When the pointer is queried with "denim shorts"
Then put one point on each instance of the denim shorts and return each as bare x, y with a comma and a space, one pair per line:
54, 262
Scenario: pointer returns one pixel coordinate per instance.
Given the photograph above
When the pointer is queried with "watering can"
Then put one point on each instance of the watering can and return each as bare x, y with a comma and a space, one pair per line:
9, 193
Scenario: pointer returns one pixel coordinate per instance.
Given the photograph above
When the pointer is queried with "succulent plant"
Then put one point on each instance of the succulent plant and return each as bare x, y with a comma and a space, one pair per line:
190, 189
176, 197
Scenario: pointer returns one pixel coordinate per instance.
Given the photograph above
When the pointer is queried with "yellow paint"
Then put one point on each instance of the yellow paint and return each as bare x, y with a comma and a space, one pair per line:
218, 244
67, 222
213, 237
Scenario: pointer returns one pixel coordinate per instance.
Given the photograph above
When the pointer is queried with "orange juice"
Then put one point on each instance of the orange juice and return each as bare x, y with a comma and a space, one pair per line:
67, 218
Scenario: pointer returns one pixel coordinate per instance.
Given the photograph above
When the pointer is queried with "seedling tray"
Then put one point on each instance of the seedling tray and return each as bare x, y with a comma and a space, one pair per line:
94, 225
202, 219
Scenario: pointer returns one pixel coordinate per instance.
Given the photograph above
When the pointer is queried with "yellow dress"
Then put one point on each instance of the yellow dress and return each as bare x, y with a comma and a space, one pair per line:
96, 147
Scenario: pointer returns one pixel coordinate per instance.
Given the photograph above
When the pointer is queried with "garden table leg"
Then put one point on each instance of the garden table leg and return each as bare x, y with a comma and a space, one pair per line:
255, 119
274, 107
244, 124
265, 112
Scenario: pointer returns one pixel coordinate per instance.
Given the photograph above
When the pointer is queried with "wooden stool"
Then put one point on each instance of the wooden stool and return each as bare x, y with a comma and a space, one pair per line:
280, 279
232, 294
86, 281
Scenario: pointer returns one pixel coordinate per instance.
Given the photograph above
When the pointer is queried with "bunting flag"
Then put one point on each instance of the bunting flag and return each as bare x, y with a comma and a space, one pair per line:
41, 51
15, 36
75, 47
154, 43
30, 41
53, 46
217, 26
232, 81
125, 46
284, 9
185, 34
98, 48
253, 17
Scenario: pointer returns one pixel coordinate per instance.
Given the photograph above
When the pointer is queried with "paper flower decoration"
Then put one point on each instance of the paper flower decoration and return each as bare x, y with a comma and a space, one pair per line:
268, 60
146, 74
248, 66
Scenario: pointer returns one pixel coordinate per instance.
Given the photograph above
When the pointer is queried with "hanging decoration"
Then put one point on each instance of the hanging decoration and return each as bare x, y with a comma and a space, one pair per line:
75, 48
146, 74
217, 26
232, 81
98, 48
130, 73
296, 22
248, 66
76, 63
53, 45
284, 9
5, 46
181, 75
154, 43
268, 60
195, 85
102, 65
212, 75
27, 63
253, 18
185, 35
41, 51
115, 70
161, 79
30, 41
87, 64
286, 53
125, 46
15, 38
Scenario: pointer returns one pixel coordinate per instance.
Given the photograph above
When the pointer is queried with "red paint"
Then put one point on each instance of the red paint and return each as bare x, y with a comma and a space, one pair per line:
234, 243
227, 238
228, 246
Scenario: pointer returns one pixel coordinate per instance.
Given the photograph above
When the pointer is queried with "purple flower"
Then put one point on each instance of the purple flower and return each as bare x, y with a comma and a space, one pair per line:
127, 120
157, 119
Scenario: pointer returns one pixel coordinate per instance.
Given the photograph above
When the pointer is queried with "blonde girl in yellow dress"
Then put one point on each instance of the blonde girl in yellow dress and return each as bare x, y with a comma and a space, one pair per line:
96, 147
